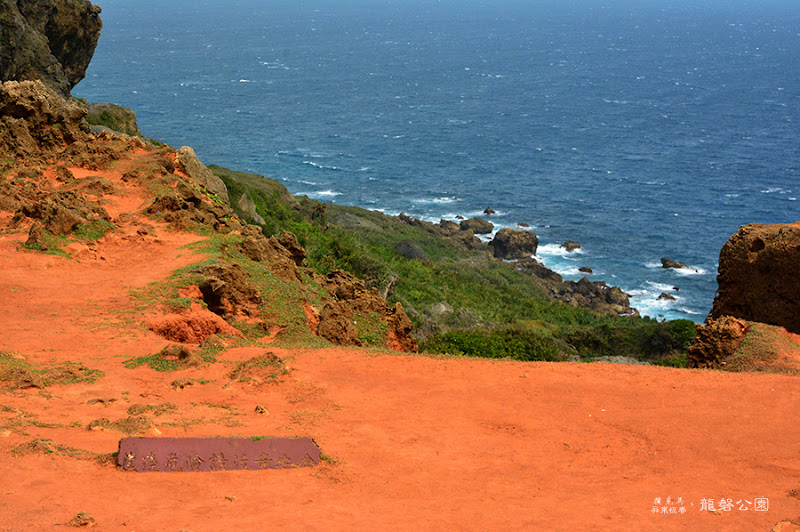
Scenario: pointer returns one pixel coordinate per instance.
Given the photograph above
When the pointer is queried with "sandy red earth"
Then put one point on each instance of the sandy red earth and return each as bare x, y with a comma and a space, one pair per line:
409, 442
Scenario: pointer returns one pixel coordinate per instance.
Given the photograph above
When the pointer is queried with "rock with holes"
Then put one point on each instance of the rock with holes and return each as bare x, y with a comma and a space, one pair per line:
759, 276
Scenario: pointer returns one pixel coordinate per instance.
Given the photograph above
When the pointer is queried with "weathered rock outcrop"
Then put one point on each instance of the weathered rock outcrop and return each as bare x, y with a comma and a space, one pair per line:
50, 40
35, 120
352, 298
188, 162
715, 342
759, 276
514, 243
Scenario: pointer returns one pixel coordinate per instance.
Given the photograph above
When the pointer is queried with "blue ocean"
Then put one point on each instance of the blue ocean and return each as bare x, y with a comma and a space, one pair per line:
640, 129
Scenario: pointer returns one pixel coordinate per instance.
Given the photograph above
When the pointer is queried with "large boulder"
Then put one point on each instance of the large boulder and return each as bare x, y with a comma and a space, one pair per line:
514, 243
50, 40
759, 276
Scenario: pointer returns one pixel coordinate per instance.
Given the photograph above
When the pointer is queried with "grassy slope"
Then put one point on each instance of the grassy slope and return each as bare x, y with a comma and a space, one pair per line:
513, 317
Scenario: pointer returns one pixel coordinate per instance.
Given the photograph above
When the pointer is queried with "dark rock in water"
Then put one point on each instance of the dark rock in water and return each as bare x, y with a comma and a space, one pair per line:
48, 40
489, 211
716, 341
666, 297
479, 226
522, 224
514, 243
670, 263
114, 117
459, 217
410, 250
571, 245
676, 288
585, 269
759, 276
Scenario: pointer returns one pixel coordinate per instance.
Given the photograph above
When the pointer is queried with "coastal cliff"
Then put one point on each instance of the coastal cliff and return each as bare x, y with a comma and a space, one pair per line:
48, 40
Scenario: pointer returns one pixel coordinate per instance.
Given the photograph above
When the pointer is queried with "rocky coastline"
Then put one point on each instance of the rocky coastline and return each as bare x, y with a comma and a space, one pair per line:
47, 47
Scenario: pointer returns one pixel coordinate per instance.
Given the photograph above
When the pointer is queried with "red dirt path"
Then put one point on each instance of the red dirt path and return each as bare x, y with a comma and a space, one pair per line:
413, 442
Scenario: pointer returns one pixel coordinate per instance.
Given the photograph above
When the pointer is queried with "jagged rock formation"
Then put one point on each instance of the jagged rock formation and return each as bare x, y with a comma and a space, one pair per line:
48, 40
759, 276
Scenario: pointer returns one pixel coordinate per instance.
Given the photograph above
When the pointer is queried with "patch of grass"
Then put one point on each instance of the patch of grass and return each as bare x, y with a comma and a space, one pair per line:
155, 362
47, 446
52, 245
760, 351
510, 342
18, 372
268, 368
93, 231
371, 330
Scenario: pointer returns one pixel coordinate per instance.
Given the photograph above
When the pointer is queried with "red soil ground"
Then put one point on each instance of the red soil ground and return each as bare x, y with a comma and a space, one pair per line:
412, 442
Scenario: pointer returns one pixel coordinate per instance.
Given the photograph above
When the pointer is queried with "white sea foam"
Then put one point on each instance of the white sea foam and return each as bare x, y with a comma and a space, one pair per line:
555, 250
689, 270
326, 193
660, 286
442, 200
321, 166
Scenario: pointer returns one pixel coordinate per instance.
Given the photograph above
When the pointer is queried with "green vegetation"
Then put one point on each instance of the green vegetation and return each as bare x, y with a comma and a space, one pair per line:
17, 372
760, 350
114, 117
93, 231
513, 317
